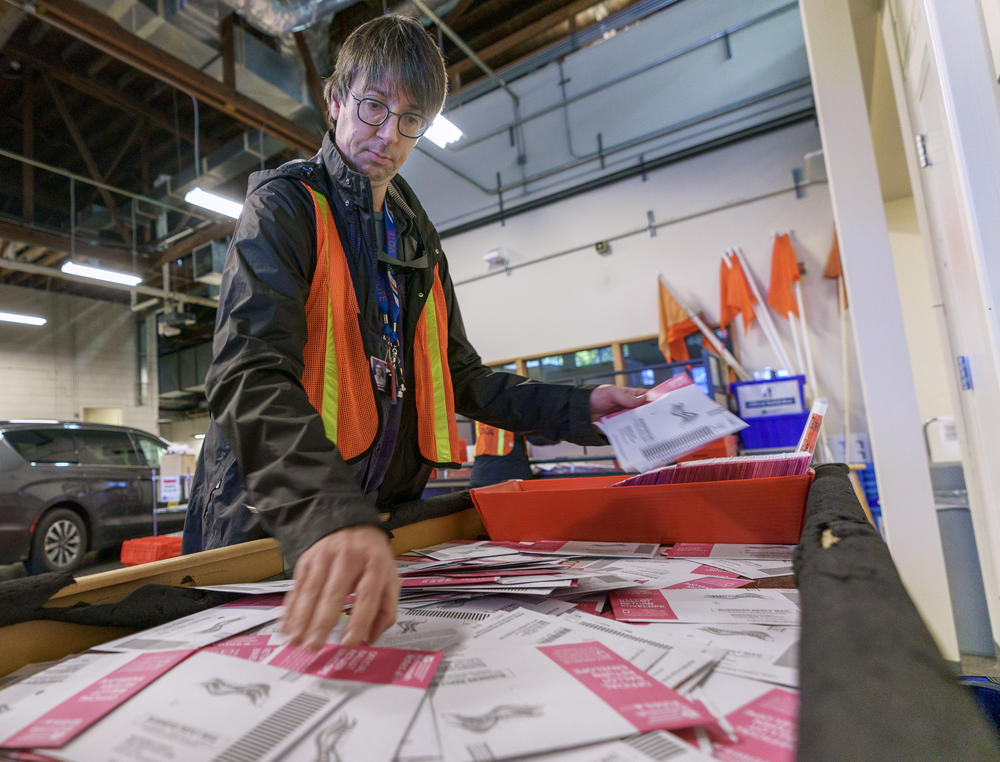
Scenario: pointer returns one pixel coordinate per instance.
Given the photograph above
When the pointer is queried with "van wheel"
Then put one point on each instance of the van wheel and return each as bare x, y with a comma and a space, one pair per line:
59, 542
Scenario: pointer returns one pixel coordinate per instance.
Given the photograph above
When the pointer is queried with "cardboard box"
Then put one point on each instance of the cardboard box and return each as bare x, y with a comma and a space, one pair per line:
738, 511
177, 464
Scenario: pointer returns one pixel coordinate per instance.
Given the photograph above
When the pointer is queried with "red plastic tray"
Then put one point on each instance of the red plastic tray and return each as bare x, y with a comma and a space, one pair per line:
142, 550
587, 508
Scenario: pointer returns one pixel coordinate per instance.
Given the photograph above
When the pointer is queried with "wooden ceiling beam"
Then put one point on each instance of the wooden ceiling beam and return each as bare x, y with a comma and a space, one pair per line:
12, 231
88, 158
453, 16
313, 80
524, 33
126, 145
108, 94
10, 19
90, 25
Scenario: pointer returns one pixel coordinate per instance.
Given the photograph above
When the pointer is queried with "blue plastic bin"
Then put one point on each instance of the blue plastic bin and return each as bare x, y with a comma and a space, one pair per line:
774, 431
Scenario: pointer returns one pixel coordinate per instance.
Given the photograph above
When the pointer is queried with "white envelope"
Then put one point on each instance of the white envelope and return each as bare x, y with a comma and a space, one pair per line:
731, 606
497, 703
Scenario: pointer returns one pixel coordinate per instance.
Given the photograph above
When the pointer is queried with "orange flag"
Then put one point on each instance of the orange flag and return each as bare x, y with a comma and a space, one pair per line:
833, 267
735, 295
675, 324
784, 272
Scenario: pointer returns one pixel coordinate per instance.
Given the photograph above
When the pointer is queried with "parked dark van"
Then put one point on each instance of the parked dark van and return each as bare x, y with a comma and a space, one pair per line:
67, 488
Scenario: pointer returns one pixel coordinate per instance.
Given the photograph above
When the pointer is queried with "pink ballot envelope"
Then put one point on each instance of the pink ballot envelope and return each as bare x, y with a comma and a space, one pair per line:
671, 425
766, 729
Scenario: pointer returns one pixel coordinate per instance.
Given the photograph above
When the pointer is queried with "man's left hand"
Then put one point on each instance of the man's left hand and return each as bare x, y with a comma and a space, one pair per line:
607, 399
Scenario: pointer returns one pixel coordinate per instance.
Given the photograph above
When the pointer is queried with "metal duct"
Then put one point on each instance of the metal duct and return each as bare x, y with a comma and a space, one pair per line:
278, 17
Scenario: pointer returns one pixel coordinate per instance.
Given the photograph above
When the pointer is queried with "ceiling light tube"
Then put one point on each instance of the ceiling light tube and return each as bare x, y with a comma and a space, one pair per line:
213, 202
16, 317
442, 132
99, 273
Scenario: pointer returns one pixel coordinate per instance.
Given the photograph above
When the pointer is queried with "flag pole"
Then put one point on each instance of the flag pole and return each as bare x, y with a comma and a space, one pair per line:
762, 315
709, 334
811, 380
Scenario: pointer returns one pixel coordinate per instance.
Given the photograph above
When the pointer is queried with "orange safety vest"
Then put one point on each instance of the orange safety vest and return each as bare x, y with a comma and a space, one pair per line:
493, 441
338, 376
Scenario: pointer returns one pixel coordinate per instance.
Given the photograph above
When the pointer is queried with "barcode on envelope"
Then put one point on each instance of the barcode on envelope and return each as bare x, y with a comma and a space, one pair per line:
668, 447
275, 728
473, 616
656, 746
626, 635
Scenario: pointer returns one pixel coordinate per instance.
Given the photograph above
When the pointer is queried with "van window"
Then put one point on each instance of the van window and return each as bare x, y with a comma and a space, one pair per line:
152, 450
105, 448
43, 445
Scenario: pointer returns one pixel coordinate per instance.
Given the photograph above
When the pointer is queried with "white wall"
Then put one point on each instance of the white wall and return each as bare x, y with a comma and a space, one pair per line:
85, 356
584, 299
183, 431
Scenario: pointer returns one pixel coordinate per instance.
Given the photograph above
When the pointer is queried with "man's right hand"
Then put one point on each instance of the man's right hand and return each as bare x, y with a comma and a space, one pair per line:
352, 560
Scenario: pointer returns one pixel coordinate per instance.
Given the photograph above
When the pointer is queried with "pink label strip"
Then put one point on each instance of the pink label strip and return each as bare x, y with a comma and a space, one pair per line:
766, 728
383, 666
641, 604
64, 722
646, 703
709, 583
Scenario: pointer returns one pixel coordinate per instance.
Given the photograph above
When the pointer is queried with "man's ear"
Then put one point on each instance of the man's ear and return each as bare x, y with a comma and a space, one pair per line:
334, 106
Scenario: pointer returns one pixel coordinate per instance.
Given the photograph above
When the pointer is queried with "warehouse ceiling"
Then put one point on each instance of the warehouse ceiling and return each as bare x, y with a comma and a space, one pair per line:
113, 109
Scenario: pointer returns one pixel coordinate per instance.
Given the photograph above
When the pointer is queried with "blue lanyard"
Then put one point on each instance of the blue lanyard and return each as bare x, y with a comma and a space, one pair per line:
388, 297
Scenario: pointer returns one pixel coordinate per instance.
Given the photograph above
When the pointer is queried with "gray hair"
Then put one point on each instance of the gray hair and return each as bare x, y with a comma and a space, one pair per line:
396, 51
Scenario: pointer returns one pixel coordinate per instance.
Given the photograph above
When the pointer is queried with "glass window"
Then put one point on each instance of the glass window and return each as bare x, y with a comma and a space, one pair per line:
43, 445
152, 450
510, 367
105, 448
583, 366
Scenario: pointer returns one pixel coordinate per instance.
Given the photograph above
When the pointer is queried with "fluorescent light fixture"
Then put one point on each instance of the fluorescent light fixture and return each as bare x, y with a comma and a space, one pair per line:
99, 273
199, 436
442, 132
33, 420
16, 317
213, 202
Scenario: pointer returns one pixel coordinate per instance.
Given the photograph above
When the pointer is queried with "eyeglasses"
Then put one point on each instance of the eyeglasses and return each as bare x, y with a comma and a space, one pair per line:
374, 112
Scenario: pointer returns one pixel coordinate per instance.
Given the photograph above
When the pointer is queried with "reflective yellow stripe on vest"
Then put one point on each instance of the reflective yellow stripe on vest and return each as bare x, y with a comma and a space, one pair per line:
337, 374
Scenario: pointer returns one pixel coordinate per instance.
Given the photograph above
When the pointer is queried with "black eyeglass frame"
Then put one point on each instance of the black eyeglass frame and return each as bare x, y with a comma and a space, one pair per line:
389, 112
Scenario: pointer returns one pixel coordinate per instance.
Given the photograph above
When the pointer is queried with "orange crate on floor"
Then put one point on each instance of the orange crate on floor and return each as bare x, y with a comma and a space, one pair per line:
738, 511
142, 550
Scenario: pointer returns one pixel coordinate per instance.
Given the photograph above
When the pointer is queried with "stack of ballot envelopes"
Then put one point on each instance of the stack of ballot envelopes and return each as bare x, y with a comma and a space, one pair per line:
556, 650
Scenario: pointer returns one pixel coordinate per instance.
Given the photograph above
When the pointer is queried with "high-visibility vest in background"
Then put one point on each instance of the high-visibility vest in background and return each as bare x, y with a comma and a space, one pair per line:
493, 441
338, 374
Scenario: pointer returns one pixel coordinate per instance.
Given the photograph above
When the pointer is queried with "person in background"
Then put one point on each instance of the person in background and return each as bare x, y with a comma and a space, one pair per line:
340, 357
500, 455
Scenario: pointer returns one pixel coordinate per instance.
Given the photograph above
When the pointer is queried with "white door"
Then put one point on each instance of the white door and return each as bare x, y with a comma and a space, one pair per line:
946, 171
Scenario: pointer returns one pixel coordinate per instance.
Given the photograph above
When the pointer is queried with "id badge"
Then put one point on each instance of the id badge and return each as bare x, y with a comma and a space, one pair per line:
381, 373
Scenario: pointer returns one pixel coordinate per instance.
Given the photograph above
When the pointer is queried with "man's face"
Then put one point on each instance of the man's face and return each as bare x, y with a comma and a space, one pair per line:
377, 152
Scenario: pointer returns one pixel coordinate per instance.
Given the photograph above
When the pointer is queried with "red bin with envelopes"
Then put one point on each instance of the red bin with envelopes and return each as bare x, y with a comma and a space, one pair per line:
764, 511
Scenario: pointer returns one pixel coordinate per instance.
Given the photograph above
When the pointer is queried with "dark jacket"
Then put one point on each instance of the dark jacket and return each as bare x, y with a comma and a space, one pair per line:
266, 466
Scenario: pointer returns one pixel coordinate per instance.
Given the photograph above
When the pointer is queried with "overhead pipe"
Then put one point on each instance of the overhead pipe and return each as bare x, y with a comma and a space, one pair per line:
630, 143
464, 47
665, 58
